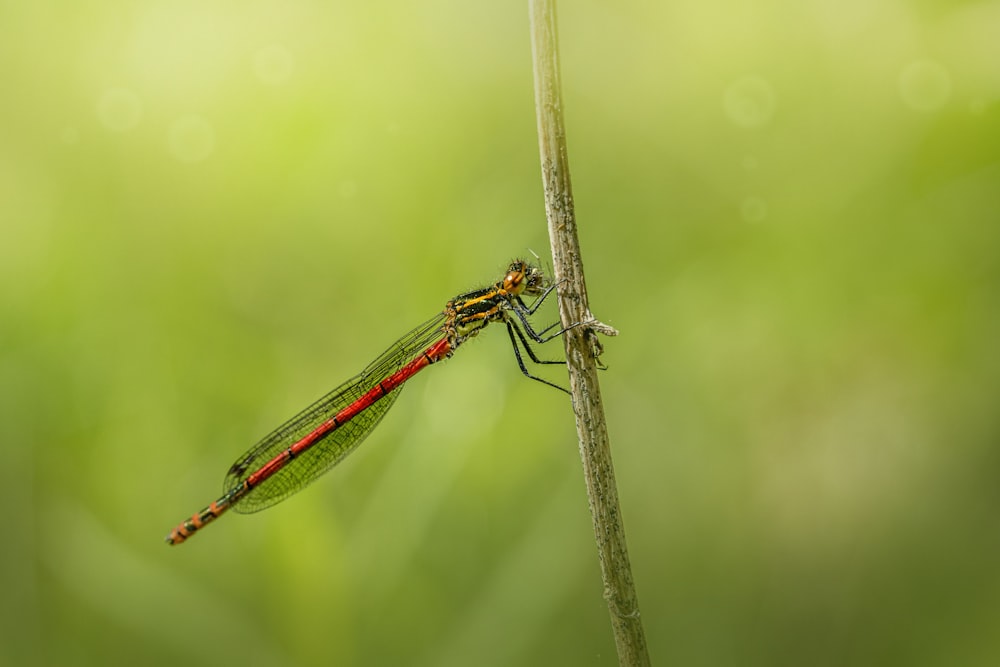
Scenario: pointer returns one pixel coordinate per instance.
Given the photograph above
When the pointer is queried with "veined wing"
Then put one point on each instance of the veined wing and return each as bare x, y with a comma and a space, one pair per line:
332, 447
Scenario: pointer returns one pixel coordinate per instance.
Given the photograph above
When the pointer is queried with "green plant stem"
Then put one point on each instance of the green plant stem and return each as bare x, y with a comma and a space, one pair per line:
582, 345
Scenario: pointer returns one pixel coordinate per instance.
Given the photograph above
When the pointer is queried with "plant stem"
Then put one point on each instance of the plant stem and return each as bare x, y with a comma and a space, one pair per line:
582, 345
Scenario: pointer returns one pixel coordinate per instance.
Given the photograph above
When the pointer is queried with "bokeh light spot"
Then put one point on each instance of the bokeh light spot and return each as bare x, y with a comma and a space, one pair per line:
191, 138
750, 102
753, 209
925, 85
119, 109
273, 64
347, 189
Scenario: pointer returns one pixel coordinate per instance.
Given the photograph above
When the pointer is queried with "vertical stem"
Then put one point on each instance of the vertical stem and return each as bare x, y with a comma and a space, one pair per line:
582, 345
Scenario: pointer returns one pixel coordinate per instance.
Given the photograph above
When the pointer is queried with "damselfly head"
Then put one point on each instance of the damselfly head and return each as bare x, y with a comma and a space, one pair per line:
523, 278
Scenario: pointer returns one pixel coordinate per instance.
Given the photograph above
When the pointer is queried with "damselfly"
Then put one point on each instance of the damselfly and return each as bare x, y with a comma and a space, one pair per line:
318, 438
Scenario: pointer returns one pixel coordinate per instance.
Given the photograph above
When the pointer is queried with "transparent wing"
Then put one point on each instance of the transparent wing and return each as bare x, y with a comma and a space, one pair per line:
335, 445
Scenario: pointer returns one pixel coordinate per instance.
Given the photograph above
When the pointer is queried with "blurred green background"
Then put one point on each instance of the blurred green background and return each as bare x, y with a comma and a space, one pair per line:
214, 212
